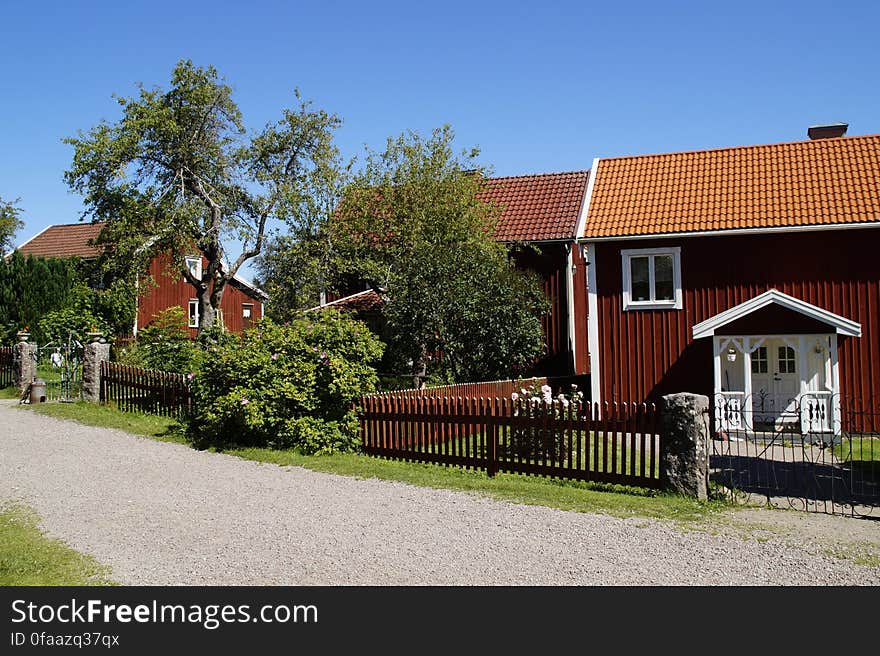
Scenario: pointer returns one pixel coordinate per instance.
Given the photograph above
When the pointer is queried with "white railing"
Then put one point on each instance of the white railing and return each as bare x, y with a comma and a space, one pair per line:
817, 412
729, 410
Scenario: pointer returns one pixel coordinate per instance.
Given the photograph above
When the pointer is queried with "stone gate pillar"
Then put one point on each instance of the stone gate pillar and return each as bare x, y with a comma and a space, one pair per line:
685, 462
95, 352
24, 361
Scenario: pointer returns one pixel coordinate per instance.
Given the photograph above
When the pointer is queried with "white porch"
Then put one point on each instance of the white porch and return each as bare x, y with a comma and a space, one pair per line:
772, 382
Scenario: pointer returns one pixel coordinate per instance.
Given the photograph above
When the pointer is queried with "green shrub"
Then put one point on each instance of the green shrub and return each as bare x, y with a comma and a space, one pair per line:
164, 344
286, 386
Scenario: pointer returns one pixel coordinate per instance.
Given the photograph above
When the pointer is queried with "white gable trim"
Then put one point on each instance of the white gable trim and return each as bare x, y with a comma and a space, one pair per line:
842, 325
588, 196
9, 254
251, 286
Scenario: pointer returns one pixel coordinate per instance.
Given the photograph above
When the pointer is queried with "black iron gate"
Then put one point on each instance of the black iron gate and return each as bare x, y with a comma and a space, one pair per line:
59, 364
817, 454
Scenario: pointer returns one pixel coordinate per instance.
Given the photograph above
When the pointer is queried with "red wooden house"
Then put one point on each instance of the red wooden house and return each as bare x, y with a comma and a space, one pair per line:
746, 274
242, 302
543, 211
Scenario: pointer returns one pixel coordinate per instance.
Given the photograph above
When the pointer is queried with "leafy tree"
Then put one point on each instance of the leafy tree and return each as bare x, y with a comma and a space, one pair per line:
53, 296
413, 227
10, 223
32, 287
293, 272
179, 171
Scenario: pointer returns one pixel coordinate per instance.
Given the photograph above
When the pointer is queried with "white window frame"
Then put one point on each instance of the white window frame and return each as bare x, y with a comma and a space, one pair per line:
194, 259
247, 307
627, 254
193, 316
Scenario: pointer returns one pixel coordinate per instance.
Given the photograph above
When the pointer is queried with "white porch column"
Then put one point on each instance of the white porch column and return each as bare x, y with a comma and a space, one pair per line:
835, 387
748, 408
802, 362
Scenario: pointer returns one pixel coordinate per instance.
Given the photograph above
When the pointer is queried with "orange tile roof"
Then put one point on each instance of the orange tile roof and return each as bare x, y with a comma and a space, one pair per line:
70, 240
537, 207
821, 182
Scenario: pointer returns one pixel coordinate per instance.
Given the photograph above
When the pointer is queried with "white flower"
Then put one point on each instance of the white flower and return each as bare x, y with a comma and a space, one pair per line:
546, 389
514, 397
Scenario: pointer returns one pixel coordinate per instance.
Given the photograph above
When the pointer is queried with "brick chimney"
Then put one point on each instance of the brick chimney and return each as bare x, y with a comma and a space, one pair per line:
827, 131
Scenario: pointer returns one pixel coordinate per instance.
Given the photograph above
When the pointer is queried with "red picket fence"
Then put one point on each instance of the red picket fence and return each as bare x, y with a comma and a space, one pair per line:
133, 389
6, 373
612, 443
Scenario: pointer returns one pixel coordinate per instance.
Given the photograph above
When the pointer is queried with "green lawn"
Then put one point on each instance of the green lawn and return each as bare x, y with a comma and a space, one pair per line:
865, 449
612, 453
10, 393
92, 414
28, 557
567, 495
863, 455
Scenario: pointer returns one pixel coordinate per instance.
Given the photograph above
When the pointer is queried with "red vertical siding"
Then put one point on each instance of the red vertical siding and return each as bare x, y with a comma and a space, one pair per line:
644, 354
550, 264
171, 290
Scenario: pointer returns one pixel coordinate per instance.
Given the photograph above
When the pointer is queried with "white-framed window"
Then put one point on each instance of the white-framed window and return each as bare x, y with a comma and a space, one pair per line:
759, 360
194, 264
193, 313
787, 360
652, 278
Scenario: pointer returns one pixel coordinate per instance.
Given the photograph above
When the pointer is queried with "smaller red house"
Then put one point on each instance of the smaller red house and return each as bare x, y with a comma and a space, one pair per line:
242, 304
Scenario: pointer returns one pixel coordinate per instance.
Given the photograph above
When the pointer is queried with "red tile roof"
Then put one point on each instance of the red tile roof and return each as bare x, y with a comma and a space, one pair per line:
537, 207
821, 182
70, 240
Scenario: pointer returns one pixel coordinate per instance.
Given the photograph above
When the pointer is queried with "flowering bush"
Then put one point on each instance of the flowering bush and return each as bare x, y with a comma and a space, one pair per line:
532, 442
286, 386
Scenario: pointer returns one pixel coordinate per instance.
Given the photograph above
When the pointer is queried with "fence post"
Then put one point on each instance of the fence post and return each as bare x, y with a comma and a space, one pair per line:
492, 446
685, 444
24, 362
96, 352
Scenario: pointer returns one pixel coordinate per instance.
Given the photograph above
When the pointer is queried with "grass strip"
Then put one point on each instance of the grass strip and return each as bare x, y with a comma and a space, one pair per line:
28, 557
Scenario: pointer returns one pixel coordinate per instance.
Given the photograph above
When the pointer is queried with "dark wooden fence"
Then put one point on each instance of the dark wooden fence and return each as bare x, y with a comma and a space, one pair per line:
6, 374
133, 389
614, 443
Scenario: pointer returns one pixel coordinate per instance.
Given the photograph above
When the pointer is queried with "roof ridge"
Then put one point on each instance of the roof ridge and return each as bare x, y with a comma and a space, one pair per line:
745, 147
79, 223
536, 175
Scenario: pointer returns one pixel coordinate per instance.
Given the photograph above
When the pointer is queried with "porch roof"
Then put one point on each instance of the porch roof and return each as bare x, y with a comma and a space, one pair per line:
841, 325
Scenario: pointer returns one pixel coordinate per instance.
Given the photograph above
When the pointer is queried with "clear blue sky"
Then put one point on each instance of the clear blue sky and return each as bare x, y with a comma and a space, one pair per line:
538, 86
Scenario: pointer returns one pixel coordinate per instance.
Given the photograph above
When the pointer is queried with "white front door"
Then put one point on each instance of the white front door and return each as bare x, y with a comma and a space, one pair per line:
776, 383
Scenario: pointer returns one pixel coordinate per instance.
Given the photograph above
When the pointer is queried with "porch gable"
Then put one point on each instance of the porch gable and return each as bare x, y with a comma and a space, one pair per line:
840, 325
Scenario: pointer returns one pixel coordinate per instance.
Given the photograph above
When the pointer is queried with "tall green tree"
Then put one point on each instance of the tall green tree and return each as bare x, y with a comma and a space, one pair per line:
413, 226
179, 171
32, 287
10, 223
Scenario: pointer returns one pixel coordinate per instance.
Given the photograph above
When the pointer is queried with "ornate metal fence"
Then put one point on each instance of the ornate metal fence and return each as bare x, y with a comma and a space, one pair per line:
6, 371
59, 364
820, 454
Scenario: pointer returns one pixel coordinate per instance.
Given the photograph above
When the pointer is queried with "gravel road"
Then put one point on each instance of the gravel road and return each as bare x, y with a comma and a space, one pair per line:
164, 514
